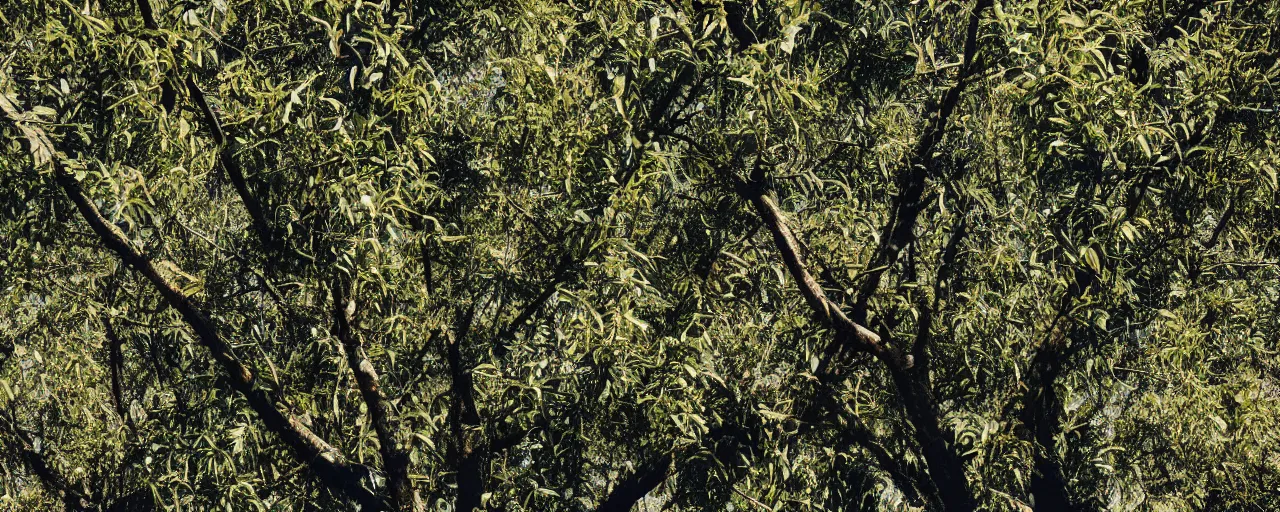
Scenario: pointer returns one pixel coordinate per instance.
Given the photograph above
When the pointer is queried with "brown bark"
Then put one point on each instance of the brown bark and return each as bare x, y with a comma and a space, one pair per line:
324, 459
826, 311
394, 460
946, 469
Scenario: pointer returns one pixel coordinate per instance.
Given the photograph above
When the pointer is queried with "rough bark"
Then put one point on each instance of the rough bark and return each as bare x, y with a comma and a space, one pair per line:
946, 469
827, 312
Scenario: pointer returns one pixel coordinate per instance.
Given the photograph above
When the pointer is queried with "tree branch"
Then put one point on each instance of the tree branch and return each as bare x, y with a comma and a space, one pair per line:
1140, 61
1224, 219
21, 443
903, 478
899, 231
562, 274
226, 156
826, 311
464, 420
116, 358
324, 459
394, 460
924, 334
630, 491
148, 15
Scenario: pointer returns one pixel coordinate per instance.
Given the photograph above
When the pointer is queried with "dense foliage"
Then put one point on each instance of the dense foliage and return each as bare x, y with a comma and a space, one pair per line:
639, 255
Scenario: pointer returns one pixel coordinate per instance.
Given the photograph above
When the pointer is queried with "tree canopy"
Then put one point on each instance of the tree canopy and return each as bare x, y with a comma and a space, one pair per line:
640, 255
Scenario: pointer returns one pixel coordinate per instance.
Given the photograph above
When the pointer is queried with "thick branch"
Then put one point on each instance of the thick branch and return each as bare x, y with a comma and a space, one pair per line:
1041, 405
1040, 416
323, 458
899, 231
562, 275
395, 461
946, 468
464, 421
826, 405
308, 448
226, 153
826, 311
630, 491
148, 15
659, 112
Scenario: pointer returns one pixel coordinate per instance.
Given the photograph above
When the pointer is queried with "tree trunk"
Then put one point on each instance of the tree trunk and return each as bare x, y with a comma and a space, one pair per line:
946, 468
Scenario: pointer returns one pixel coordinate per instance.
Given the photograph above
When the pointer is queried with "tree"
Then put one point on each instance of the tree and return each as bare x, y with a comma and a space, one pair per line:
639, 255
